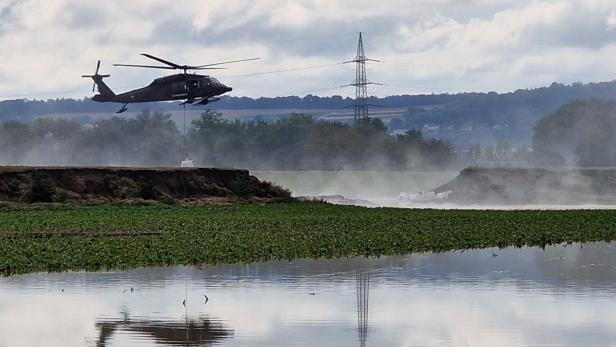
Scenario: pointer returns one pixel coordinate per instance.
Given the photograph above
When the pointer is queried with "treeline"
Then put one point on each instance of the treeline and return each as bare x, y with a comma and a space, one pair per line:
297, 142
300, 142
519, 109
150, 139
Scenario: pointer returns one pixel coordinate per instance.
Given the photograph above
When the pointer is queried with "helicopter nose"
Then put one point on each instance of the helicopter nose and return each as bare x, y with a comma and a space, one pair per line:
227, 89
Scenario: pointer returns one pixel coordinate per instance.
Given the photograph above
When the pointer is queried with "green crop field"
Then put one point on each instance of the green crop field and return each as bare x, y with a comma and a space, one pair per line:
59, 238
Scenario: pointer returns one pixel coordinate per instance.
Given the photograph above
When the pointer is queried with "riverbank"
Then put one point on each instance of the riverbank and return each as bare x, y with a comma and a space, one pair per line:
121, 236
96, 185
531, 186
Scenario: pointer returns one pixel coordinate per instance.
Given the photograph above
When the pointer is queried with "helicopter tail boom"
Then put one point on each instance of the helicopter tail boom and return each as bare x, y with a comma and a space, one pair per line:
103, 89
105, 93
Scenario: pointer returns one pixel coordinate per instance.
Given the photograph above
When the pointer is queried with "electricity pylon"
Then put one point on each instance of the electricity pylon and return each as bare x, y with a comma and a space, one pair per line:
361, 82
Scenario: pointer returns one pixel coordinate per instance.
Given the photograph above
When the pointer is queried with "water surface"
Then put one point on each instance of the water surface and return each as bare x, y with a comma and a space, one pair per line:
560, 296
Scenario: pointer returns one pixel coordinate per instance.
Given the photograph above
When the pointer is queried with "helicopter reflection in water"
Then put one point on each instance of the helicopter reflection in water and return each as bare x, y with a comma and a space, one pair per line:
197, 332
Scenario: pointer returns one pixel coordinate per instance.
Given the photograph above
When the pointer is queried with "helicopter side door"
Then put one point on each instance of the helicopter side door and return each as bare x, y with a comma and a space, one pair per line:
193, 87
178, 89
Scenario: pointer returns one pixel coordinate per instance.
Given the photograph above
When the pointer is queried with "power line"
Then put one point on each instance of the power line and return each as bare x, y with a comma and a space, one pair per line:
508, 42
308, 38
360, 66
319, 90
480, 69
60, 92
278, 42
284, 70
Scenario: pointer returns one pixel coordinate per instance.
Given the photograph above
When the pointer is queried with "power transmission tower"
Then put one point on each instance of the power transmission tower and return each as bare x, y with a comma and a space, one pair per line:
361, 82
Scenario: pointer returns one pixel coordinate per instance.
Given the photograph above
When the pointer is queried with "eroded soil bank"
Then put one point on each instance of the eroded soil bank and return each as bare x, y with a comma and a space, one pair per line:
510, 186
105, 184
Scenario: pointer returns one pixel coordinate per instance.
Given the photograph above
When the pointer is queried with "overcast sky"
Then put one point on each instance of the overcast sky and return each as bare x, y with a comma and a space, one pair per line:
426, 46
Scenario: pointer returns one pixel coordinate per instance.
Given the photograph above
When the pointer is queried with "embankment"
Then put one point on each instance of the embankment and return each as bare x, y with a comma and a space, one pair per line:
513, 186
104, 184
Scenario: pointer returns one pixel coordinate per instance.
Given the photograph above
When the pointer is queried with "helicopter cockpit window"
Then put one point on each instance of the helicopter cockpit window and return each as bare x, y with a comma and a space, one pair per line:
213, 82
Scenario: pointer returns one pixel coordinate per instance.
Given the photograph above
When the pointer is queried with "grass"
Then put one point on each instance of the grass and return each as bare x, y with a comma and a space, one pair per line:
65, 237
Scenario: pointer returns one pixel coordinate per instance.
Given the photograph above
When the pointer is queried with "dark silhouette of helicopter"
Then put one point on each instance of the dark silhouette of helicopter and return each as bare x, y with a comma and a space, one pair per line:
193, 88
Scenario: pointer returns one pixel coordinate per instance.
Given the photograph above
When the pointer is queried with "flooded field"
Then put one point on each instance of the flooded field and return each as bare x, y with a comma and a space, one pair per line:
560, 296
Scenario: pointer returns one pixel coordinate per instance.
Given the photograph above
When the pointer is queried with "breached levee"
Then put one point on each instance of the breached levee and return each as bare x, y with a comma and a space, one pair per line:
111, 184
530, 186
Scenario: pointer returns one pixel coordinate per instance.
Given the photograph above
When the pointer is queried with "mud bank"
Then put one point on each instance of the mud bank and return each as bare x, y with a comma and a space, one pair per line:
516, 186
104, 184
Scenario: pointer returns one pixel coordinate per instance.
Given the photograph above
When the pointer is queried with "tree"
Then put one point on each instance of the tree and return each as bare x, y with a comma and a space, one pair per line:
296, 142
579, 133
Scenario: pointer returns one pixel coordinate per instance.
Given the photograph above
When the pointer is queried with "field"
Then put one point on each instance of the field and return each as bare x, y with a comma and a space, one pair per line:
60, 238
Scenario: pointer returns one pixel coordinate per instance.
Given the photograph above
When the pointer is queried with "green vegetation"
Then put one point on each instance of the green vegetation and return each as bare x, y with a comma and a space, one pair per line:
58, 238
149, 139
299, 142
42, 188
148, 191
296, 142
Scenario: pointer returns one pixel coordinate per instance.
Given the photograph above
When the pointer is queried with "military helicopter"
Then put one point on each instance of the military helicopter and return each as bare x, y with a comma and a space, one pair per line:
193, 88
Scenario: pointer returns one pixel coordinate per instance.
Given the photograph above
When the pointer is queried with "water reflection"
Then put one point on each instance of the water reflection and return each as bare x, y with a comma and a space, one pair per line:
191, 332
509, 297
363, 292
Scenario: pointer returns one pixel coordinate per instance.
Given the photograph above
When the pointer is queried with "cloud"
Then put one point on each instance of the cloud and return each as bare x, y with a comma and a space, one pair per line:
8, 20
437, 46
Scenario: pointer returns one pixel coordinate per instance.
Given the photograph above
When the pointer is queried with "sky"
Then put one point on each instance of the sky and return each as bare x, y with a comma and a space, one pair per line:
424, 46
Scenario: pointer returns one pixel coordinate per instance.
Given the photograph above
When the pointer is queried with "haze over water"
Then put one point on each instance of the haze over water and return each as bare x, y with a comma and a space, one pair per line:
512, 297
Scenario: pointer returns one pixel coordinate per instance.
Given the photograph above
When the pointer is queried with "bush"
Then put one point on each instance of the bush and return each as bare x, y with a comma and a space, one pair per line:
148, 191
42, 188
242, 187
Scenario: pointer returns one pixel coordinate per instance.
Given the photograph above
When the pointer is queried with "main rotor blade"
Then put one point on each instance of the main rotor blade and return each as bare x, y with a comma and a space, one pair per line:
176, 66
227, 62
147, 66
98, 65
207, 68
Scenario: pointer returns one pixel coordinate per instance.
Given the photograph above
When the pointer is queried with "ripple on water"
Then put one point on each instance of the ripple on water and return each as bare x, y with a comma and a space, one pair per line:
528, 296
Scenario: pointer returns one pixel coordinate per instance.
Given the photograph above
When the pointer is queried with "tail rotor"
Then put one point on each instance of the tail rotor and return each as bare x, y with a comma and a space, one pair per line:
98, 66
96, 77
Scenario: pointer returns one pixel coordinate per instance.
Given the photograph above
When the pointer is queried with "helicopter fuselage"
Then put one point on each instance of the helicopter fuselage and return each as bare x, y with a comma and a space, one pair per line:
193, 88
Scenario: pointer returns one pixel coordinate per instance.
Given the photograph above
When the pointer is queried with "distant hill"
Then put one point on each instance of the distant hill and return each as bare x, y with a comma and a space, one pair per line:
463, 118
